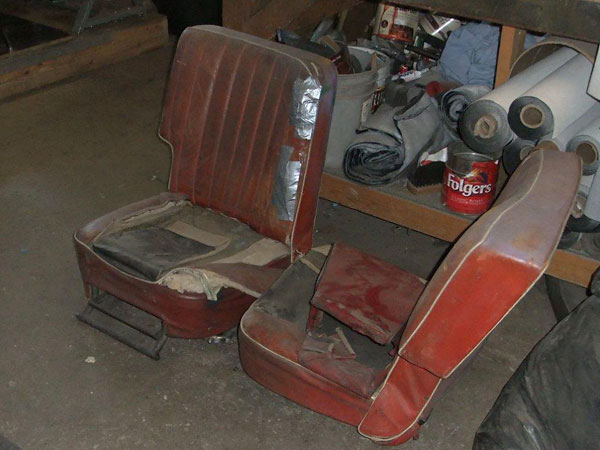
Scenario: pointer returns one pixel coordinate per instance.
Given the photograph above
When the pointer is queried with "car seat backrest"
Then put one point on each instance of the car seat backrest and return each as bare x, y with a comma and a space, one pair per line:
231, 121
489, 269
493, 265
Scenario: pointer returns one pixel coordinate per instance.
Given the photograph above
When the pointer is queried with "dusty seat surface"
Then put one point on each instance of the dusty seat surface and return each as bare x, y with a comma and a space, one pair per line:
482, 278
201, 242
149, 251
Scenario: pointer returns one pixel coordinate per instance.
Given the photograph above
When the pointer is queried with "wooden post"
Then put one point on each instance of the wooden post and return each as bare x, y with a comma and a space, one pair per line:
512, 42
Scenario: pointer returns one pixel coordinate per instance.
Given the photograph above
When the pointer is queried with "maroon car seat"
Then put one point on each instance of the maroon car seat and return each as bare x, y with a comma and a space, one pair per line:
373, 345
248, 121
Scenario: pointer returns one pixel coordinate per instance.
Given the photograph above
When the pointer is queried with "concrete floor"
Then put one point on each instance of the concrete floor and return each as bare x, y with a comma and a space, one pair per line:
79, 149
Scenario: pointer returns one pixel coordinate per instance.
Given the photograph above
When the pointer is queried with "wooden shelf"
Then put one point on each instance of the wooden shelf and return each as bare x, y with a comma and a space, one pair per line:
424, 213
53, 61
577, 19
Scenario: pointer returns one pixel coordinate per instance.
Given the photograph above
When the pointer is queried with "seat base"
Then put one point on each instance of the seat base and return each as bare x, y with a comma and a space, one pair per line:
271, 339
309, 366
184, 313
298, 383
189, 315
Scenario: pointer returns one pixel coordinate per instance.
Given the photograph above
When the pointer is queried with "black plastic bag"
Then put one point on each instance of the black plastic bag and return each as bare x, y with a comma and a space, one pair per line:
552, 401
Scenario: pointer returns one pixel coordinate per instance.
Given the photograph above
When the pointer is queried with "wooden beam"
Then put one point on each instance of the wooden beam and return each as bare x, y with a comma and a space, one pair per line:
573, 267
577, 19
512, 43
31, 69
43, 12
263, 17
398, 210
571, 18
566, 265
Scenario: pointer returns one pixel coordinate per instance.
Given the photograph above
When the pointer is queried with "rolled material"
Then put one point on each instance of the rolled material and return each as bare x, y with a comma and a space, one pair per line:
587, 145
353, 99
592, 204
484, 125
455, 101
515, 152
582, 195
530, 118
559, 142
585, 184
395, 138
585, 216
374, 158
549, 45
553, 103
591, 244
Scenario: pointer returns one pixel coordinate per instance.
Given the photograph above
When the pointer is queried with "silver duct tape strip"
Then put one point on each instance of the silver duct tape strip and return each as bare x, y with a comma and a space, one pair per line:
305, 105
286, 184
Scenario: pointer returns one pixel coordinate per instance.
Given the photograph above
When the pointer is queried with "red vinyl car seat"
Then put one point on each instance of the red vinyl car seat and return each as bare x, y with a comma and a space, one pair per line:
373, 345
247, 121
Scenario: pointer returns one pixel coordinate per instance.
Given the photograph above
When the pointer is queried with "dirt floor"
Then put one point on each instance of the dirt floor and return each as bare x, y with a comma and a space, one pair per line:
79, 149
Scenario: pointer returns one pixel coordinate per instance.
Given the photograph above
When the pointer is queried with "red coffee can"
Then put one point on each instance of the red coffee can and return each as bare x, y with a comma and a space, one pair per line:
469, 180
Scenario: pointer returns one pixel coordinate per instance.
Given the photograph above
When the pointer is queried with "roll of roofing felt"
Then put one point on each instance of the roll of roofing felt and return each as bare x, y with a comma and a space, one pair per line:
585, 215
586, 143
560, 141
530, 118
552, 104
515, 152
484, 125
592, 203
549, 45
455, 101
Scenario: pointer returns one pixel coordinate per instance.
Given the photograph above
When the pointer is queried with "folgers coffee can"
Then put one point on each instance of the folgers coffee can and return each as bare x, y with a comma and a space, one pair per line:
469, 180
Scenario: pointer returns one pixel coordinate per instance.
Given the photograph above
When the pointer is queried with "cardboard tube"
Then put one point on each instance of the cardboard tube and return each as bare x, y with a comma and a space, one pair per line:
548, 46
586, 143
515, 152
530, 118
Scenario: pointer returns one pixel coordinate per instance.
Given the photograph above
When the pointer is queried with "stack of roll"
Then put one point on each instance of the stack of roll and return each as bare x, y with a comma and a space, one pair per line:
484, 126
544, 105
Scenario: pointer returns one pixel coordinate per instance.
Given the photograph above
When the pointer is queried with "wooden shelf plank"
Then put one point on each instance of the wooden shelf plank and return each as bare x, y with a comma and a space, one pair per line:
393, 208
577, 19
398, 207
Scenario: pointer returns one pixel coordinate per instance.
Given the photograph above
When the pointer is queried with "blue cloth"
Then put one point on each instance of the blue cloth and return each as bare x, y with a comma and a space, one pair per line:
469, 56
